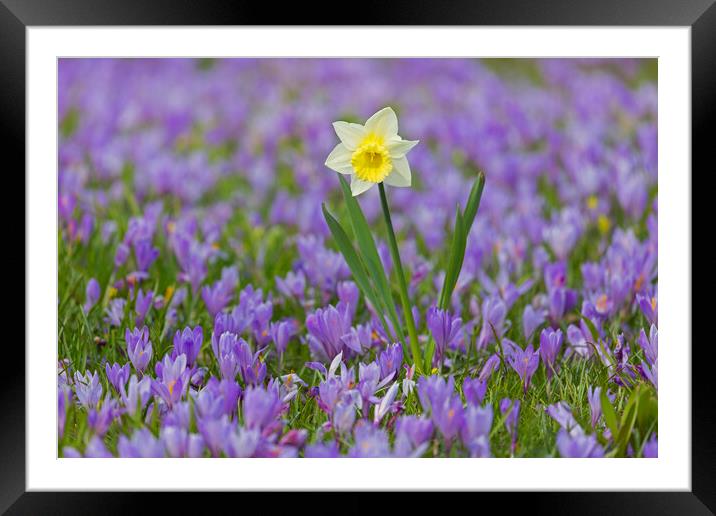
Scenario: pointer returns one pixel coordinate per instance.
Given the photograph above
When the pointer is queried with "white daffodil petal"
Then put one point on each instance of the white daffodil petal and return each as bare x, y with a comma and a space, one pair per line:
384, 123
396, 180
400, 175
358, 186
340, 160
350, 134
398, 148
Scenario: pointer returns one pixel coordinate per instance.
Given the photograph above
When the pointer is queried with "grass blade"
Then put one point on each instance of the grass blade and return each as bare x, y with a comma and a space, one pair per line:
368, 250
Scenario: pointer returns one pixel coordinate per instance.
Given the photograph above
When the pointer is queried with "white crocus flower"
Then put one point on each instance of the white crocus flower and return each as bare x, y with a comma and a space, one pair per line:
372, 153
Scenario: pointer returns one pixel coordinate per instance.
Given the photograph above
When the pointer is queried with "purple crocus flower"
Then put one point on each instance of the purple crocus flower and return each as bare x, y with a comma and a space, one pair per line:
215, 433
64, 396
261, 409
293, 285
531, 320
474, 390
178, 442
100, 417
174, 379
145, 254
560, 298
445, 407
348, 294
525, 364
491, 365
281, 333
243, 443
550, 343
142, 444
370, 441
227, 354
251, 365
142, 305
88, 389
121, 254
390, 361
595, 404
650, 344
562, 414
92, 294
343, 416
115, 312
578, 445
137, 394
651, 448
511, 410
139, 347
219, 295
260, 324
475, 431
117, 376
494, 312
648, 306
329, 333
96, 449
445, 329
412, 434
322, 451
188, 342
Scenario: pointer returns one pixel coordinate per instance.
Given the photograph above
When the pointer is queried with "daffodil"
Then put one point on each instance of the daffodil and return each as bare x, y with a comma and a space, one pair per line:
372, 153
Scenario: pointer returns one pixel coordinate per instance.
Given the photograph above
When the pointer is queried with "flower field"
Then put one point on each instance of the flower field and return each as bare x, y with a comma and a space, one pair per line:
357, 257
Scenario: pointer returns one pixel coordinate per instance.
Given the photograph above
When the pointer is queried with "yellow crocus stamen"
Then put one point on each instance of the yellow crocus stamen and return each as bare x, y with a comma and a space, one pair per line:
168, 293
371, 160
592, 202
112, 292
603, 223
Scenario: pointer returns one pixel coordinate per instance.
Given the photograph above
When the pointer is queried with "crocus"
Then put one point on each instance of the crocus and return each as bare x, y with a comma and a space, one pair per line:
595, 404
412, 434
178, 442
142, 305
174, 380
371, 153
445, 329
511, 411
92, 294
474, 390
261, 408
117, 375
88, 389
578, 445
189, 343
531, 320
370, 441
525, 364
136, 395
475, 431
550, 342
390, 360
139, 347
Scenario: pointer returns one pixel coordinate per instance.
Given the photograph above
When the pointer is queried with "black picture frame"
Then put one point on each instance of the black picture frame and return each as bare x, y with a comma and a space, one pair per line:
17, 15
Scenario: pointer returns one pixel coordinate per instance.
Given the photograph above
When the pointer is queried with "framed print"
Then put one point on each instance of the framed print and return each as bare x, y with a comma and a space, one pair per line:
420, 255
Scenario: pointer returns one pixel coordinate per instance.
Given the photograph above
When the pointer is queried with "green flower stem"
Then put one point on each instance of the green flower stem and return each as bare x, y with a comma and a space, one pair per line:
403, 286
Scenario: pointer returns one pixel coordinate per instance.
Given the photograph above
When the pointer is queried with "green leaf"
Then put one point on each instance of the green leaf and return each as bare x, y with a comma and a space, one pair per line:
454, 261
473, 201
627, 422
354, 262
610, 417
369, 252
